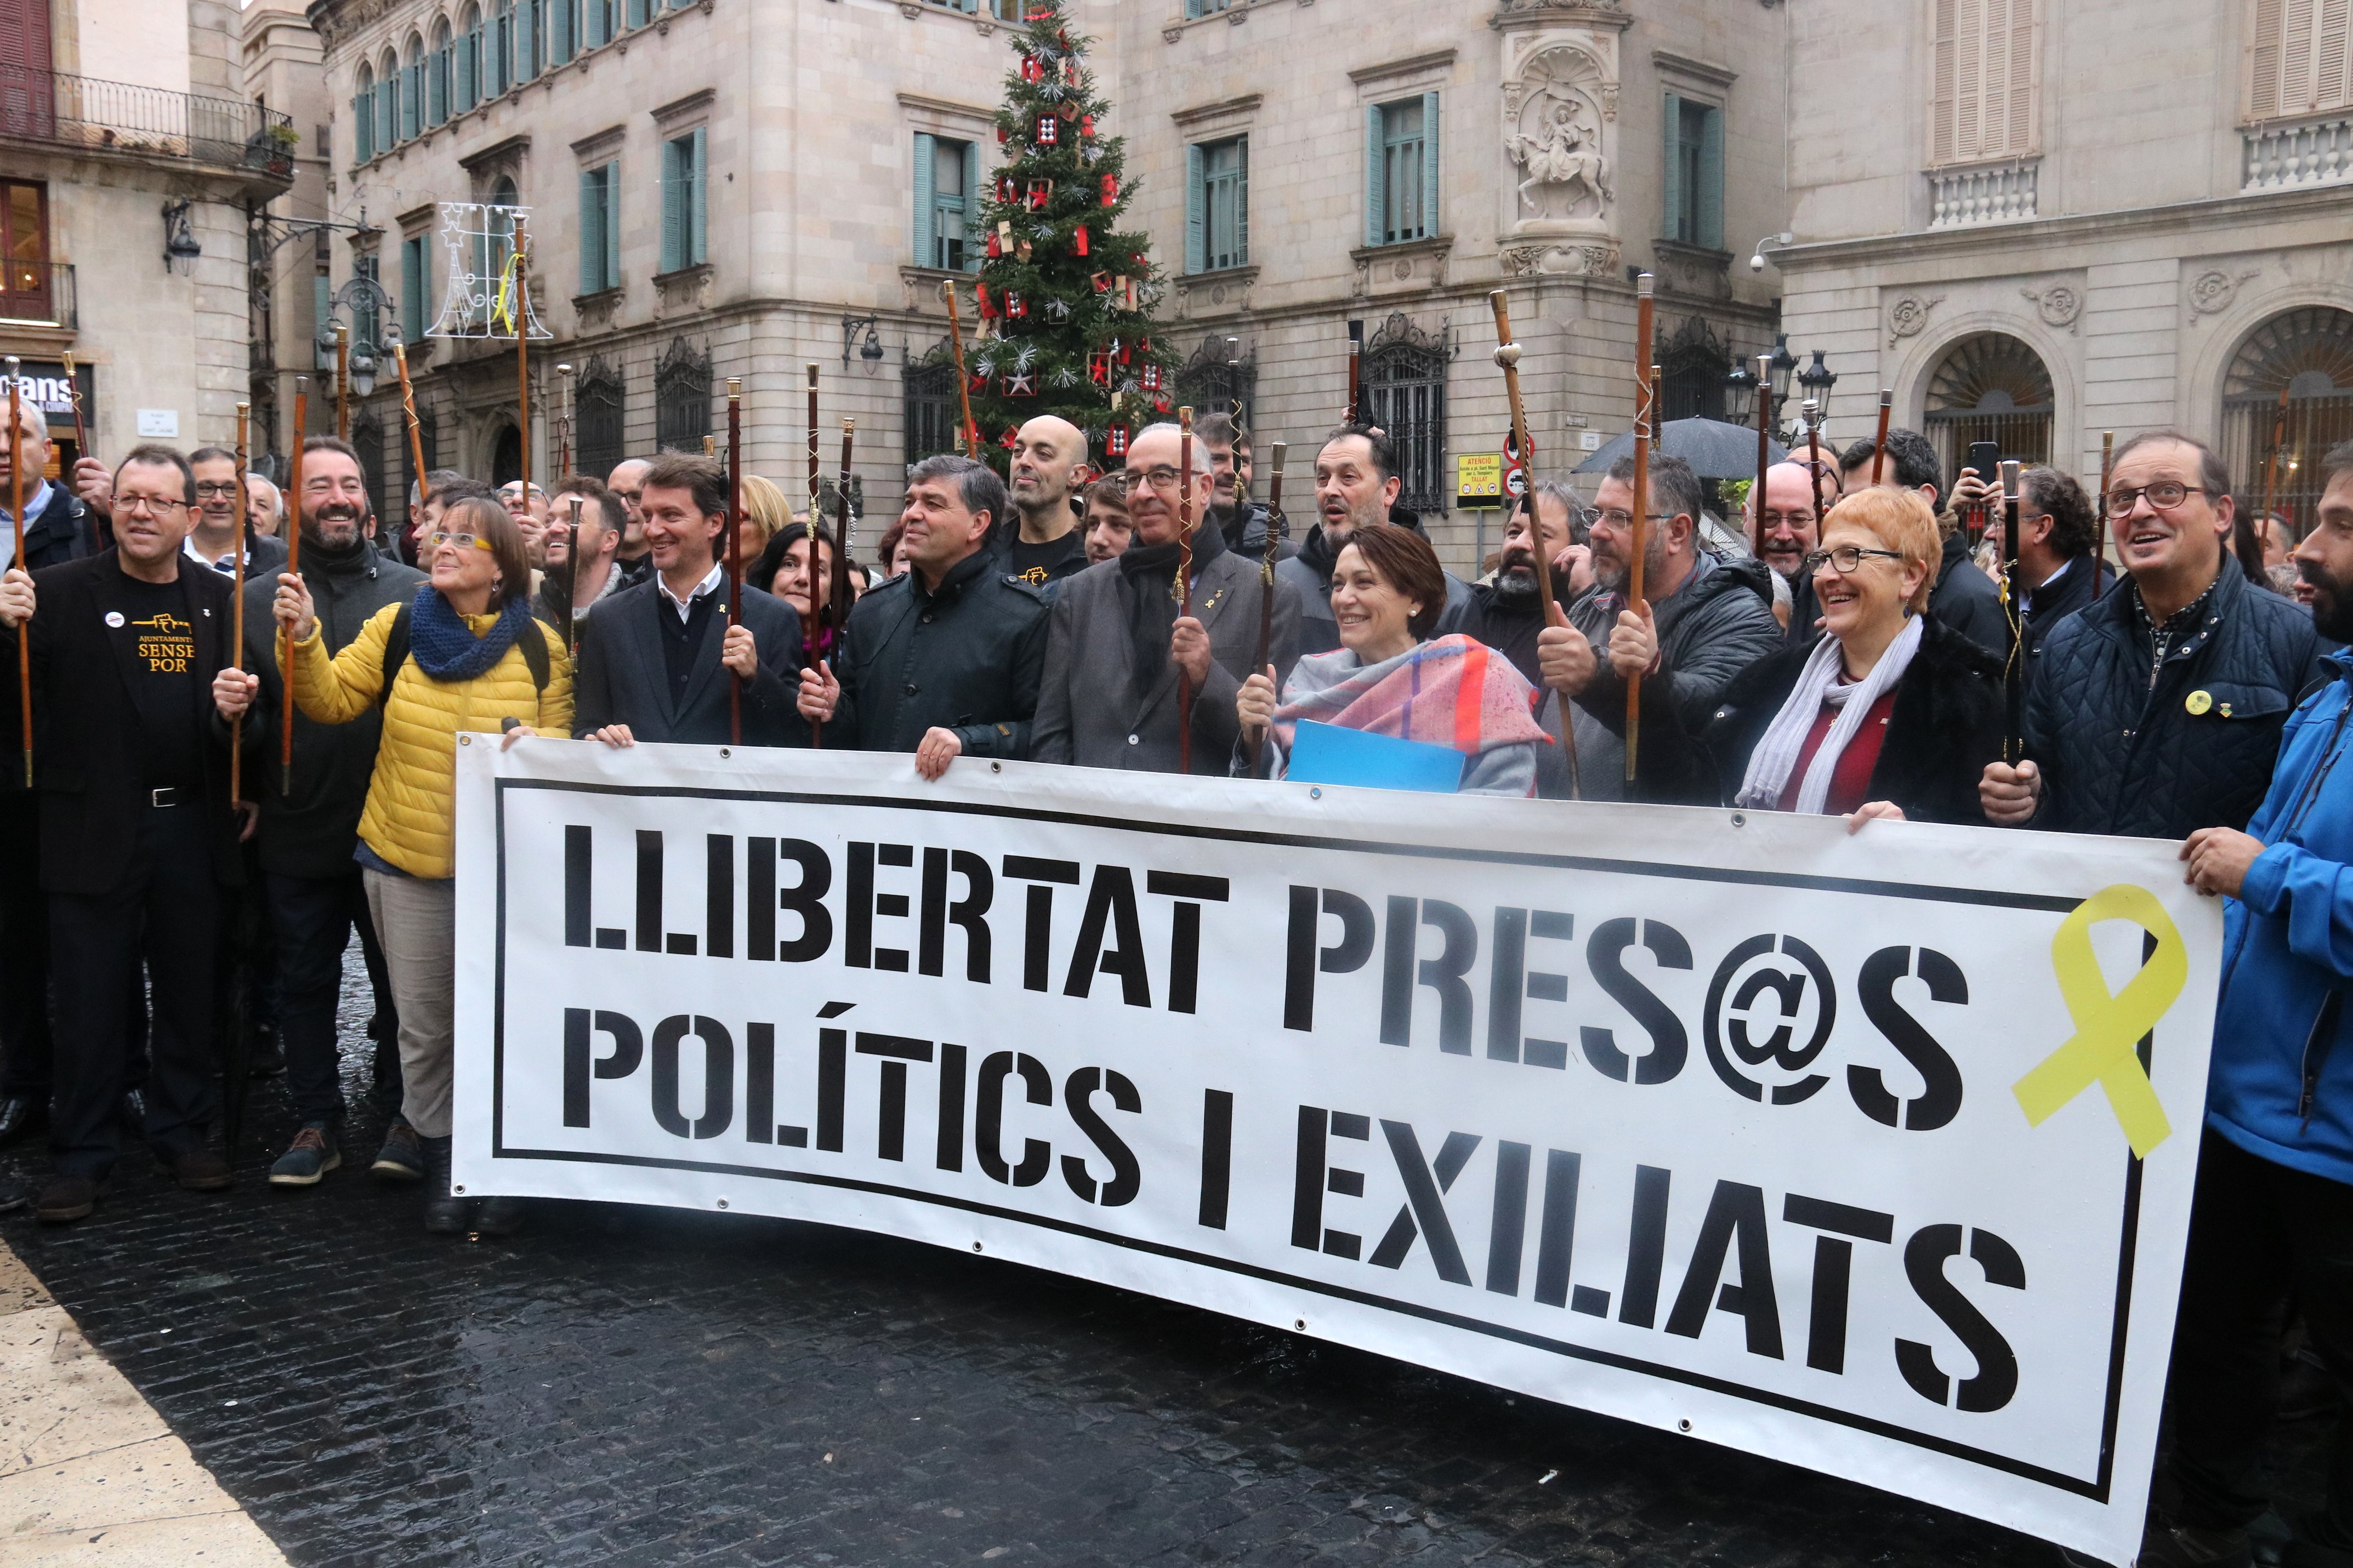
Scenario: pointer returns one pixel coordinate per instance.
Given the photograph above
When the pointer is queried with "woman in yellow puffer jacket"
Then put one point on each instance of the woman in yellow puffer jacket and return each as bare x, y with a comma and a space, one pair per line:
475, 659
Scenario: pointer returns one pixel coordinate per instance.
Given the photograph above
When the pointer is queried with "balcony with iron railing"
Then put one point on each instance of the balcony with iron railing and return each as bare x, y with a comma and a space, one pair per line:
38, 294
123, 117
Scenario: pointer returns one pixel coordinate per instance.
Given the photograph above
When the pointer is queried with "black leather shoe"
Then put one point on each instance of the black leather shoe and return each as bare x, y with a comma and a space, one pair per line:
200, 1170
14, 1195
134, 1112
21, 1116
498, 1216
445, 1214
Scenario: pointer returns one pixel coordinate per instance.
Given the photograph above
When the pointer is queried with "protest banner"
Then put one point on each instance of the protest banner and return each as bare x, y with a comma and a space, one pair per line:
1870, 1153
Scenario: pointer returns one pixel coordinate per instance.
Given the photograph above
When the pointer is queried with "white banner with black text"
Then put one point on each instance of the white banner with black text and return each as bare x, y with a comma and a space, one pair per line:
1871, 1153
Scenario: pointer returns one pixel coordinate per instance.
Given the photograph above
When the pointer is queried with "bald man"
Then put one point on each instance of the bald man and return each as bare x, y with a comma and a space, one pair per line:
1793, 526
1049, 457
633, 557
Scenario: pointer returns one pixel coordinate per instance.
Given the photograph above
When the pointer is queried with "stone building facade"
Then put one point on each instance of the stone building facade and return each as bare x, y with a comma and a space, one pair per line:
129, 155
732, 188
2041, 222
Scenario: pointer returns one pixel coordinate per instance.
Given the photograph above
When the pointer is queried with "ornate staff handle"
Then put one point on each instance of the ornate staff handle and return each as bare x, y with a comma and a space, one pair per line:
1184, 580
1266, 591
1645, 385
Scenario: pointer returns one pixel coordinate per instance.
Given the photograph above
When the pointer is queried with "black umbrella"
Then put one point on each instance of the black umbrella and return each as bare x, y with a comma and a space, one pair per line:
1715, 449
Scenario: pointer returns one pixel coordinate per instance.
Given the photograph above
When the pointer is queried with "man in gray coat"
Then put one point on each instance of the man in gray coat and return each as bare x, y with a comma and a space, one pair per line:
1115, 641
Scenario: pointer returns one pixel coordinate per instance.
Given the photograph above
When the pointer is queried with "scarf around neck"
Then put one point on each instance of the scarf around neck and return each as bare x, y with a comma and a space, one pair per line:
1776, 757
1147, 587
446, 648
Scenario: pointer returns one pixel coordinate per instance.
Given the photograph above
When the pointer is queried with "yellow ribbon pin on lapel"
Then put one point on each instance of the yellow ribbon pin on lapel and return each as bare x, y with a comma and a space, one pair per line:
2108, 1028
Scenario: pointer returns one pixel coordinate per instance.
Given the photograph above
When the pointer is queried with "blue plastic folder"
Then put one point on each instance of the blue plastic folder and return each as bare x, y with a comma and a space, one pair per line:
1333, 755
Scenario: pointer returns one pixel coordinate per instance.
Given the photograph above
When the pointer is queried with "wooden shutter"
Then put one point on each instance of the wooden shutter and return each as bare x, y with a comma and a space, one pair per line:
24, 36
466, 68
673, 200
1711, 180
1429, 164
1241, 202
592, 230
2331, 86
1985, 89
2297, 58
1671, 186
927, 237
1196, 213
1375, 176
698, 226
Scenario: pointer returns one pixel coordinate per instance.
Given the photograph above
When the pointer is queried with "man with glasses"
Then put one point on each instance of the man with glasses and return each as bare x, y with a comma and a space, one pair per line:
220, 533
942, 660
310, 886
2156, 710
132, 659
1120, 639
1703, 621
633, 557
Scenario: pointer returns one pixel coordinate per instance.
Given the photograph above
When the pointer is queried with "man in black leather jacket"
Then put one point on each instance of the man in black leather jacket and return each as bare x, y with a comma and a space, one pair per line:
2157, 710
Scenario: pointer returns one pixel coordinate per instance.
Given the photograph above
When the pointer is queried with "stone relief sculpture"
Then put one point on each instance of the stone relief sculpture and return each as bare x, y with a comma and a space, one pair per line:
1552, 116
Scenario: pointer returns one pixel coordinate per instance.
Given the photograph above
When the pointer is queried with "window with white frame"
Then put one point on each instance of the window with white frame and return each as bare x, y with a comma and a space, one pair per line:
1986, 69
684, 181
946, 170
1216, 205
1401, 170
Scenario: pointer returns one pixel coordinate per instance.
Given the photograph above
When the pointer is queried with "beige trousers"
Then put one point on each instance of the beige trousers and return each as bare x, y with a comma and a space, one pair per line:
416, 922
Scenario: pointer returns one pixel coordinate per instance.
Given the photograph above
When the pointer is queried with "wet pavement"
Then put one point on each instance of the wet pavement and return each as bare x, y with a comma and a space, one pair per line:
623, 1387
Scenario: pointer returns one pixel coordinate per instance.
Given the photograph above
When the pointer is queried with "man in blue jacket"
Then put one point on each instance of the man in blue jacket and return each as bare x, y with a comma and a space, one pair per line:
2273, 1219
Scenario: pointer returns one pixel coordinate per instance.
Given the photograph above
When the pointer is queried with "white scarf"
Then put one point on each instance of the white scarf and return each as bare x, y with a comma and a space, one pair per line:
1775, 756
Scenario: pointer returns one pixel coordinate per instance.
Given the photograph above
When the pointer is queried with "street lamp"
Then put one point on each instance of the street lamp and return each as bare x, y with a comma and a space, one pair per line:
179, 247
871, 351
1784, 365
1739, 394
1817, 379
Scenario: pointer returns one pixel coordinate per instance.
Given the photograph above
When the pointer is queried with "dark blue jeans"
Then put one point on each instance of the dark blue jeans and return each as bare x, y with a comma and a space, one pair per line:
312, 919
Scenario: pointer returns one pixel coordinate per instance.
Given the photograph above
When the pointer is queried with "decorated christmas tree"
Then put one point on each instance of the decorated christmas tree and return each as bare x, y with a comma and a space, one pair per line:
1065, 297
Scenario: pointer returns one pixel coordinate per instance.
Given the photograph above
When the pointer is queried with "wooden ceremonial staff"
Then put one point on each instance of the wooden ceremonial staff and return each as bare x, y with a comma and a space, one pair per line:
2245, 528
81, 437
415, 432
964, 386
1764, 449
17, 521
237, 616
564, 426
2100, 509
1356, 362
1879, 441
2013, 690
572, 568
293, 565
808, 621
343, 381
837, 604
1644, 307
1507, 355
1266, 587
1184, 580
1810, 412
735, 548
842, 515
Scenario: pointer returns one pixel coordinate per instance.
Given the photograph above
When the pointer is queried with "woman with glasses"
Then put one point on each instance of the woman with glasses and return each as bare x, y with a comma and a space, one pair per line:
464, 655
1890, 714
1388, 591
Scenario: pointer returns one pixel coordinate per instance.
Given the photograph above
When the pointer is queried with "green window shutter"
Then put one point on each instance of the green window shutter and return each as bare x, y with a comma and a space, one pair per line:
1197, 214
592, 229
612, 226
362, 128
699, 229
1375, 184
1710, 181
1242, 203
1430, 163
673, 210
926, 216
1671, 186
466, 72
415, 285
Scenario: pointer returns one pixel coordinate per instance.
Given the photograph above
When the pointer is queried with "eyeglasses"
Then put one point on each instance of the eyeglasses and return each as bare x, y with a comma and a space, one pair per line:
2164, 495
153, 504
438, 538
1618, 522
1163, 477
207, 487
1846, 558
1787, 519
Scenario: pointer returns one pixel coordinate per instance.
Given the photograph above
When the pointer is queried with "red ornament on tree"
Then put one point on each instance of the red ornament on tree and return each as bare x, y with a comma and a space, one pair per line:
980, 300
1086, 125
1152, 378
1011, 438
1050, 131
1016, 307
1115, 441
1032, 69
1110, 189
1005, 190
1079, 240
995, 250
1099, 367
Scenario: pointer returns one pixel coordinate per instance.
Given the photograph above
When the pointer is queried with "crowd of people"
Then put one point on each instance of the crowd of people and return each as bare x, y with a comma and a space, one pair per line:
2180, 682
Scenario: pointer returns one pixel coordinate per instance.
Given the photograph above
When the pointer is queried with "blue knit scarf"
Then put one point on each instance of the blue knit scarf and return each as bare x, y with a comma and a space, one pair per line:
445, 648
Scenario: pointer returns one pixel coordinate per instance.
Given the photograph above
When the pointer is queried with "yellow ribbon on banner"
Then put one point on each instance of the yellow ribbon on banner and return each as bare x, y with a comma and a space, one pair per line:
2108, 1029
502, 308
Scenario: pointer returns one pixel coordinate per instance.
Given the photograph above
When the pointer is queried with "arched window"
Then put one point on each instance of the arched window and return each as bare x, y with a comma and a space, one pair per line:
1691, 368
1208, 383
600, 404
2287, 399
498, 66
927, 402
1405, 381
1989, 388
437, 88
387, 102
681, 398
470, 59
364, 116
411, 88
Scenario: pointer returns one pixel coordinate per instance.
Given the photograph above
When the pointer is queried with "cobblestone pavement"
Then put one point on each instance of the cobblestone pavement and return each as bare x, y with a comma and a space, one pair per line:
621, 1386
